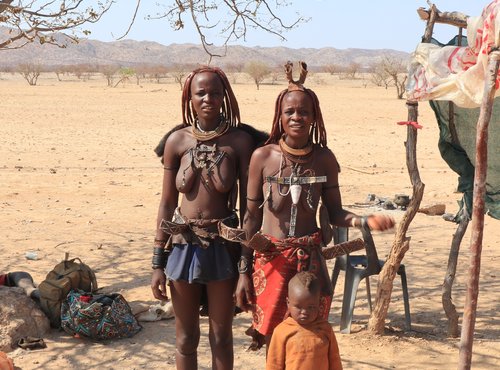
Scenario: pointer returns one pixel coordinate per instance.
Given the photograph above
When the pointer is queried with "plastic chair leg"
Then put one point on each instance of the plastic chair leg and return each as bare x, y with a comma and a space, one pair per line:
352, 280
406, 298
368, 293
335, 276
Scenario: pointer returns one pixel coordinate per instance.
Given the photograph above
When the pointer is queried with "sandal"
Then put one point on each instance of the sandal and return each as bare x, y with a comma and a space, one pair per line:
31, 343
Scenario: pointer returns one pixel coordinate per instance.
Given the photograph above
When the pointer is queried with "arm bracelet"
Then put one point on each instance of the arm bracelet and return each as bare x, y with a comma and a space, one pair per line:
160, 256
362, 223
244, 265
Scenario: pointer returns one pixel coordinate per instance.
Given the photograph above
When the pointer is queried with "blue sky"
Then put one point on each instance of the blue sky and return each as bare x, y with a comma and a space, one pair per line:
366, 24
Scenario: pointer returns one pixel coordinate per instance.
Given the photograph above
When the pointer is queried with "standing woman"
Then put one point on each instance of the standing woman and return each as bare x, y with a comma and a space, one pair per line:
204, 159
287, 179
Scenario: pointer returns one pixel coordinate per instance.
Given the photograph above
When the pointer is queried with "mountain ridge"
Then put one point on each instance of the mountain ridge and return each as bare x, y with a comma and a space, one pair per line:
129, 53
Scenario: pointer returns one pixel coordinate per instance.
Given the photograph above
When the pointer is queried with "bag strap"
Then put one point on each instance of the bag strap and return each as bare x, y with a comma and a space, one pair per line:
87, 269
92, 278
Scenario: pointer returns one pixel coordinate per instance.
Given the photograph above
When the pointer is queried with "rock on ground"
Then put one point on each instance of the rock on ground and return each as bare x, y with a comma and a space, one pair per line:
19, 317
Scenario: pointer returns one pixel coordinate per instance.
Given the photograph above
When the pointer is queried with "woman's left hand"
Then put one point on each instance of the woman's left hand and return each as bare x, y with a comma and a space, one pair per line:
159, 285
243, 295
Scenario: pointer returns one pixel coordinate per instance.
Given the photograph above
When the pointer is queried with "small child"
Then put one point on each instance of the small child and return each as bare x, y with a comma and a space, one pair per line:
303, 341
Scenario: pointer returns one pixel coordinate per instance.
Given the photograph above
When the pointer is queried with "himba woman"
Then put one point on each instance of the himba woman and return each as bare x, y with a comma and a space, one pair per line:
287, 179
204, 159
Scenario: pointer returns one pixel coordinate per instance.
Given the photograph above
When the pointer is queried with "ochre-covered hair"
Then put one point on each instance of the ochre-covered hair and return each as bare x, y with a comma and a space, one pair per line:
305, 280
318, 131
230, 108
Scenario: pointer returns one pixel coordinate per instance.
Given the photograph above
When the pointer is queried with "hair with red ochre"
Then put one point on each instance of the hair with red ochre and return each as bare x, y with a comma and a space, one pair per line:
230, 109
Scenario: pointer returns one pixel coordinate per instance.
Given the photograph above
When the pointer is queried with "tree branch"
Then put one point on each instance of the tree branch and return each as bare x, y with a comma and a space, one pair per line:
239, 16
29, 21
132, 21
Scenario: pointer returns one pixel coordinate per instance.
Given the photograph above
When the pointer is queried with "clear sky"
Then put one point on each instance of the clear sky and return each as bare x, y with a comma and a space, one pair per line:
342, 24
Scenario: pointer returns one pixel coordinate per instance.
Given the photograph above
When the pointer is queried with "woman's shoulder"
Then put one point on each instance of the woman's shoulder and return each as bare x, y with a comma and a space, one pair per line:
322, 150
160, 148
327, 158
324, 153
180, 137
180, 131
266, 151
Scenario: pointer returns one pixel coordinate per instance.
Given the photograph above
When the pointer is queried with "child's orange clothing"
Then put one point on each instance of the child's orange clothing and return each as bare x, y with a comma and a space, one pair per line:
297, 347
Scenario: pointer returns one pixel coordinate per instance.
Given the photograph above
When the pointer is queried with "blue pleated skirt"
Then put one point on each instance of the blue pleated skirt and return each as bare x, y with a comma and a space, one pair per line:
194, 264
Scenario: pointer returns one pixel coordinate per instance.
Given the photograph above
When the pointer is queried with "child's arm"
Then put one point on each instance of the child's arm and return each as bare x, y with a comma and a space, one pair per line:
276, 354
333, 353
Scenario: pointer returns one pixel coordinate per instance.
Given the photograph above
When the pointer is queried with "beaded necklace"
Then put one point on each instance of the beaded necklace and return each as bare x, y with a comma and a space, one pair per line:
202, 135
205, 156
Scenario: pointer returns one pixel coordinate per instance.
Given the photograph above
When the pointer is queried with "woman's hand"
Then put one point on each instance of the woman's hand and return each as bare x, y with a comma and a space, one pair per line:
380, 222
244, 295
159, 285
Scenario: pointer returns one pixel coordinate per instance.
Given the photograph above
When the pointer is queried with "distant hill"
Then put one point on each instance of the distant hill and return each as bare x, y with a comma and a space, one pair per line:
130, 53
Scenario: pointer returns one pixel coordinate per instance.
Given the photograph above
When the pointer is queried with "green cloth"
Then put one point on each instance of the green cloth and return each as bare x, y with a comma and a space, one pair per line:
460, 152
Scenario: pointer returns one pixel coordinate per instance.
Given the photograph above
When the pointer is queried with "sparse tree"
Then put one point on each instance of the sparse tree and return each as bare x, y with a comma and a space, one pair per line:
30, 72
331, 68
396, 68
125, 74
158, 72
141, 72
109, 71
178, 72
233, 70
7, 69
234, 67
83, 71
276, 73
351, 70
258, 71
59, 71
379, 76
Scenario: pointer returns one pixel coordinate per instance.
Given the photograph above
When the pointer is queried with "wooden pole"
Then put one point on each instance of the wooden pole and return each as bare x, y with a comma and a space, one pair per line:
401, 244
451, 269
478, 210
452, 18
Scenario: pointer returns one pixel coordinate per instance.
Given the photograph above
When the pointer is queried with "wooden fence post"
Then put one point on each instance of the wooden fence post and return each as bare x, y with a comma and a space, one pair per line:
478, 210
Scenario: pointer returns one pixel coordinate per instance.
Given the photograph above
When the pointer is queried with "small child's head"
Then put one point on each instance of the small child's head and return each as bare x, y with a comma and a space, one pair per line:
303, 297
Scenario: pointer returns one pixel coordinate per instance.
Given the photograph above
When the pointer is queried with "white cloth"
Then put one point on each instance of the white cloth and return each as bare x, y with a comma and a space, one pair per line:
456, 73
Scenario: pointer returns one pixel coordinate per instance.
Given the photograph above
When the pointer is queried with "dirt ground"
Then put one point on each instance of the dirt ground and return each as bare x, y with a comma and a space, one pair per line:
78, 174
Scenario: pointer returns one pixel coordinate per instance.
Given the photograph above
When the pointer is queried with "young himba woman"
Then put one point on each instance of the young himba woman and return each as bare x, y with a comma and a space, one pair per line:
203, 159
287, 179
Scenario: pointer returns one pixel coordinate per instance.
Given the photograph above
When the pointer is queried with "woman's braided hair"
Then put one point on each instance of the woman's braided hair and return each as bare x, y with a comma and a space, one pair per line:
230, 109
318, 131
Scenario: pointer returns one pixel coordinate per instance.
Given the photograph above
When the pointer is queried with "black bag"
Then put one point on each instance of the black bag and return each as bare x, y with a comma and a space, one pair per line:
98, 316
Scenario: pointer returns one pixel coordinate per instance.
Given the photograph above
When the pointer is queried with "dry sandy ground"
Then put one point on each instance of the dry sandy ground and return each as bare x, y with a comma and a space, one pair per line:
78, 174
